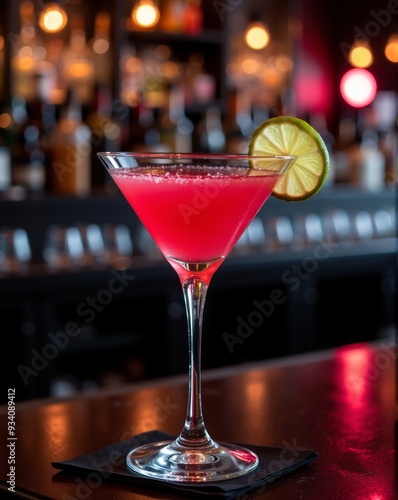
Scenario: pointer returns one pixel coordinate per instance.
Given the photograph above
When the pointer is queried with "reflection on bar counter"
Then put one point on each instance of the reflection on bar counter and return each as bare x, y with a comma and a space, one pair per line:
104, 78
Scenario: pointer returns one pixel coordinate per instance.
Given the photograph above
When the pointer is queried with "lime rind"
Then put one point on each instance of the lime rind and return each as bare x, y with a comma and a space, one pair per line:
288, 135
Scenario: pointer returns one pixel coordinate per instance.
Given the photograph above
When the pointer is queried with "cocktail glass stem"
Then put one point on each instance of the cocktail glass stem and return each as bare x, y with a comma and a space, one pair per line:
193, 456
194, 433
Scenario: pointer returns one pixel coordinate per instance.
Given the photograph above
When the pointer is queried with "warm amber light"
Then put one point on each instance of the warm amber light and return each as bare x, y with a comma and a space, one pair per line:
391, 50
80, 70
5, 120
101, 46
53, 19
131, 64
170, 70
360, 55
24, 62
146, 14
250, 66
101, 43
257, 36
283, 63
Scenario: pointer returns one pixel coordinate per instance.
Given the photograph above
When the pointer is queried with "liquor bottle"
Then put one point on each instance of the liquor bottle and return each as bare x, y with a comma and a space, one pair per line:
5, 162
146, 136
28, 168
172, 18
105, 136
101, 48
369, 169
175, 128
345, 150
2, 64
193, 17
78, 71
15, 131
70, 164
238, 123
27, 51
24, 136
212, 136
166, 129
148, 126
184, 126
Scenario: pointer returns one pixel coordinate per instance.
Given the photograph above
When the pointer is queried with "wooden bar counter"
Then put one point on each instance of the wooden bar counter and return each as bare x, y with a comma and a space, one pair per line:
341, 402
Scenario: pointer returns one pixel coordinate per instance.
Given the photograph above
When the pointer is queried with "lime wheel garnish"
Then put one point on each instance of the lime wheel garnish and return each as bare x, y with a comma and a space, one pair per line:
288, 135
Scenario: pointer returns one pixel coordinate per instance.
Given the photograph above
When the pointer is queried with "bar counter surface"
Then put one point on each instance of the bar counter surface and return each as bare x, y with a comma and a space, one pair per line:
340, 401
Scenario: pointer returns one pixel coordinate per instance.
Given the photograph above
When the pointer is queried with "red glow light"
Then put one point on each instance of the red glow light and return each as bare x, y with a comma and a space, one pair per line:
358, 87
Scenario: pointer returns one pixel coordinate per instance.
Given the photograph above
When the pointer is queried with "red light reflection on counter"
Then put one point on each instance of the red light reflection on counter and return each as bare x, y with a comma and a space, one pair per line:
361, 424
354, 366
255, 391
57, 429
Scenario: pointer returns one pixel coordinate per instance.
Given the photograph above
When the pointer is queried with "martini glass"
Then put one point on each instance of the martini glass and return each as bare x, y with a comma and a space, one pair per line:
195, 207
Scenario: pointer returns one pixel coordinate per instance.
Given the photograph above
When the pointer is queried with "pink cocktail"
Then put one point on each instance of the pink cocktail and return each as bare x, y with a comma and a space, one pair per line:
196, 215
195, 207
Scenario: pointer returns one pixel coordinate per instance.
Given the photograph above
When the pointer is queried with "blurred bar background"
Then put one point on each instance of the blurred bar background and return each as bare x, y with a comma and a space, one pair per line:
79, 276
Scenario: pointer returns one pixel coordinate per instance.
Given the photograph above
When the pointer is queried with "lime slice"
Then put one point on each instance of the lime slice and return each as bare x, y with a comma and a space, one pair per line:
288, 135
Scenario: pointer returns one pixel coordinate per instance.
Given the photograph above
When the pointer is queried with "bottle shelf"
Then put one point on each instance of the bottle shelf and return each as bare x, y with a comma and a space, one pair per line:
313, 291
206, 37
36, 215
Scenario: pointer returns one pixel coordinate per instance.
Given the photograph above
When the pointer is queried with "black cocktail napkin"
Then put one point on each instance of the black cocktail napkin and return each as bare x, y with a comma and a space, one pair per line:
109, 464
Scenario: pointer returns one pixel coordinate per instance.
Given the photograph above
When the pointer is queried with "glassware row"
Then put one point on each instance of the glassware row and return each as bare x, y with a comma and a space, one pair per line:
92, 245
68, 247
339, 225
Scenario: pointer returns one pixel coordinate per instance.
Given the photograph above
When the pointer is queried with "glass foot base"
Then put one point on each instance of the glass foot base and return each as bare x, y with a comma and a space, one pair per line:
163, 461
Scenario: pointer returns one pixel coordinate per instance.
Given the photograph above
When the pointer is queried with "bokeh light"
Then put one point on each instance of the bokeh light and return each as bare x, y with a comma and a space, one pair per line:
53, 19
391, 49
257, 36
358, 87
146, 14
360, 55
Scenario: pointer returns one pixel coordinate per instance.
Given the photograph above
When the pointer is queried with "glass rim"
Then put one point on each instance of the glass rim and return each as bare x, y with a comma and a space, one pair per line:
200, 156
